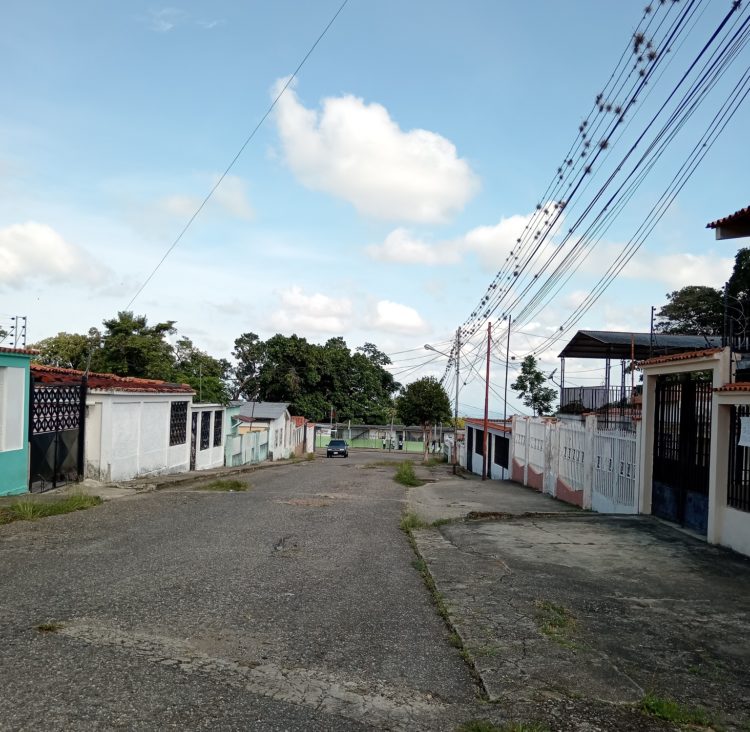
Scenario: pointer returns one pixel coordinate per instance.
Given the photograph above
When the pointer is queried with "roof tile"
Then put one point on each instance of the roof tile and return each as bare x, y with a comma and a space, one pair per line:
45, 374
685, 356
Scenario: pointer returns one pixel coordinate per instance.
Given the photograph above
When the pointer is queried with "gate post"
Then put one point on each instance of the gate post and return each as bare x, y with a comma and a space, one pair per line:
527, 427
588, 460
82, 426
637, 472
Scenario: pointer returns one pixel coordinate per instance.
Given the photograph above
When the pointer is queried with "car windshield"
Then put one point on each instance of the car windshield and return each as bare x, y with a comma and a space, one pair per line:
336, 443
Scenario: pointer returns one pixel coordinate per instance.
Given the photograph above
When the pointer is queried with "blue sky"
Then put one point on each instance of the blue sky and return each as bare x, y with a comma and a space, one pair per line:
377, 201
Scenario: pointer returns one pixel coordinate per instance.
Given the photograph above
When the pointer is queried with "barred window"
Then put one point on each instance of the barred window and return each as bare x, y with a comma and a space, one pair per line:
479, 442
178, 423
217, 427
205, 430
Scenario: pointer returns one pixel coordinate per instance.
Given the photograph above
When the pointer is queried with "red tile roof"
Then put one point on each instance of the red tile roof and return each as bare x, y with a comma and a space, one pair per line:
743, 213
685, 356
106, 382
21, 351
740, 386
490, 423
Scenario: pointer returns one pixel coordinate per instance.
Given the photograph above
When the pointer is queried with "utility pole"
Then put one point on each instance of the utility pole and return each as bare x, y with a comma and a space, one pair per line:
651, 338
507, 361
455, 422
485, 439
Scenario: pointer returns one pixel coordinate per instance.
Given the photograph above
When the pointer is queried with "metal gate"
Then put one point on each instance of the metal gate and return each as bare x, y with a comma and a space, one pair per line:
56, 434
469, 448
682, 446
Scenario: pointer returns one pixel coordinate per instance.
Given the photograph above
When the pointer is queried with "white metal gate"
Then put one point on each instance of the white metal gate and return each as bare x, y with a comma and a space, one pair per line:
615, 487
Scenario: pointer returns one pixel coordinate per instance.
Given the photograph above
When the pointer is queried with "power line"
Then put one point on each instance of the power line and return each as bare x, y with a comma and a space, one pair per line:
237, 156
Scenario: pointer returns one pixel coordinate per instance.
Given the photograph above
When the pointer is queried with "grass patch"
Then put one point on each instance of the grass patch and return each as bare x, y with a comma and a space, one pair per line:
443, 521
433, 461
31, 510
224, 485
310, 457
556, 622
49, 627
410, 521
673, 711
406, 476
482, 725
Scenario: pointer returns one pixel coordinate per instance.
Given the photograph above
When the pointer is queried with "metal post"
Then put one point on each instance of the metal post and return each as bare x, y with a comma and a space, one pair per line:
455, 422
486, 402
562, 382
651, 338
507, 361
82, 426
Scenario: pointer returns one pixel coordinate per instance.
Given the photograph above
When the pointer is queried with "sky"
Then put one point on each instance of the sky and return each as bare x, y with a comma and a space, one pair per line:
376, 202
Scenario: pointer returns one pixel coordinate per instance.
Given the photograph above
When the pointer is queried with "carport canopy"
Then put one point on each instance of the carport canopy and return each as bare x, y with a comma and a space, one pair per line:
609, 344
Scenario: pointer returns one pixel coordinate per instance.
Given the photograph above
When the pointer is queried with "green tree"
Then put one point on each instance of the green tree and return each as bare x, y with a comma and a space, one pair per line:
249, 352
423, 402
132, 347
69, 350
209, 376
692, 310
531, 388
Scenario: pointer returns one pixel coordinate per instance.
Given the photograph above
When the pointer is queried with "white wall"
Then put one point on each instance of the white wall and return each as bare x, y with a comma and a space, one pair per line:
127, 436
494, 471
13, 391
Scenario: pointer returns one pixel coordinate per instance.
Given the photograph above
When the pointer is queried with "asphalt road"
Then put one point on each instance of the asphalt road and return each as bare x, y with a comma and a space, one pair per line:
292, 606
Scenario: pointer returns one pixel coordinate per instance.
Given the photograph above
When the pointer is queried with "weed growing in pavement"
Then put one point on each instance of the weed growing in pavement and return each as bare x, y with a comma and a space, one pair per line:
556, 622
410, 521
482, 725
673, 711
406, 476
49, 627
30, 510
224, 485
433, 461
310, 457
443, 522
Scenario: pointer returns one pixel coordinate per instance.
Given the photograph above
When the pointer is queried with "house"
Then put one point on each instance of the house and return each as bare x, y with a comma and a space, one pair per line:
14, 419
271, 416
695, 442
133, 427
245, 443
498, 448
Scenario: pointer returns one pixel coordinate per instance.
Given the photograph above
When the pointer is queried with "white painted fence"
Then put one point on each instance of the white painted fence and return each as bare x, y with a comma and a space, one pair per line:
578, 463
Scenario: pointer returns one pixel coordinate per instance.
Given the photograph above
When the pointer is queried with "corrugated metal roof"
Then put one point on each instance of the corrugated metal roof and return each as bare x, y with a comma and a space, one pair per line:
617, 344
263, 410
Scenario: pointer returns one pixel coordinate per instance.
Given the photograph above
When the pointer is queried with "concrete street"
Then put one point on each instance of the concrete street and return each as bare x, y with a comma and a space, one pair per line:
298, 605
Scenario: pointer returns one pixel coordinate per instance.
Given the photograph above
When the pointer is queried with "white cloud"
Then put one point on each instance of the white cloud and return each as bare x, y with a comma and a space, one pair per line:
401, 246
679, 270
397, 318
34, 251
491, 244
163, 20
230, 196
355, 151
317, 313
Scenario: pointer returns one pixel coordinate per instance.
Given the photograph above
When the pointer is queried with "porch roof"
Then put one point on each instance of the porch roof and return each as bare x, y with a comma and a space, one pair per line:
734, 226
617, 344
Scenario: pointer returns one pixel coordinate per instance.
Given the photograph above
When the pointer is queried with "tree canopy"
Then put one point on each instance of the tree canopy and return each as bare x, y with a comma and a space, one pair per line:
424, 402
693, 310
530, 385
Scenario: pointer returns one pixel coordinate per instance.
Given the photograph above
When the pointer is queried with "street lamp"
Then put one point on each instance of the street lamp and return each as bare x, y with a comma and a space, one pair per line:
428, 347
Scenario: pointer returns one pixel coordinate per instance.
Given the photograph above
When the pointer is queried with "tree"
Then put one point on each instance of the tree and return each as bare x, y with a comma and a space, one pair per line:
206, 374
692, 310
69, 350
249, 352
131, 347
423, 402
530, 386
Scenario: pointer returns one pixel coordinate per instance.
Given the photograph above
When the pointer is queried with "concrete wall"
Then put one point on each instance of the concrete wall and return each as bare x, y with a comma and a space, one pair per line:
127, 436
14, 423
495, 471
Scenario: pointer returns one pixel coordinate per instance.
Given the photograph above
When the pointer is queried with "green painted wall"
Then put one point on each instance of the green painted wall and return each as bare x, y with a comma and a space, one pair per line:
14, 464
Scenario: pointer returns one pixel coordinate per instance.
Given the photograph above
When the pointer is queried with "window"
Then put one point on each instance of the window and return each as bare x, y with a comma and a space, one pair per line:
479, 442
502, 445
205, 430
217, 427
178, 423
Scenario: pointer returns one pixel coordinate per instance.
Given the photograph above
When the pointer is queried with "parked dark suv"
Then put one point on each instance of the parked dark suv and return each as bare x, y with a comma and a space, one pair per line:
337, 447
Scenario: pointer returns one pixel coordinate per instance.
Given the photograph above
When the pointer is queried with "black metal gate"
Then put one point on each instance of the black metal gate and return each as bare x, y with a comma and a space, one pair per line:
469, 447
56, 434
738, 483
682, 447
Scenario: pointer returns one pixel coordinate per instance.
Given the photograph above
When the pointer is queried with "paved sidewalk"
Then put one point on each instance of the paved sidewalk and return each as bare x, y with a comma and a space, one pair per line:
598, 611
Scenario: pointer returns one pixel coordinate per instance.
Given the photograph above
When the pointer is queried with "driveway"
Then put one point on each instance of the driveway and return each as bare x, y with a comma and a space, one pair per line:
589, 608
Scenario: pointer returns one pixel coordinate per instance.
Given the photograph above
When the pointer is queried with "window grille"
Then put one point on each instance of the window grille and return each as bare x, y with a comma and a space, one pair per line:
178, 423
205, 430
218, 427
